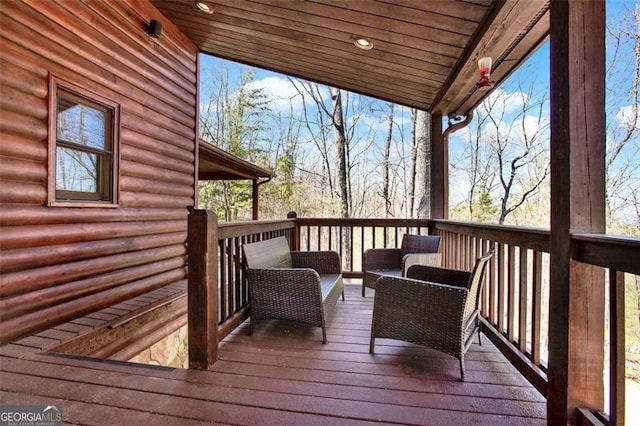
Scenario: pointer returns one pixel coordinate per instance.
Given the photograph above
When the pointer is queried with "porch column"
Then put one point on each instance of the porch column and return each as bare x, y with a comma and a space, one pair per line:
202, 293
295, 235
255, 195
439, 170
576, 294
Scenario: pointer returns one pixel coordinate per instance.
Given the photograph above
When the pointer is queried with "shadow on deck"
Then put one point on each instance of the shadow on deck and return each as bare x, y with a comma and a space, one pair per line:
282, 375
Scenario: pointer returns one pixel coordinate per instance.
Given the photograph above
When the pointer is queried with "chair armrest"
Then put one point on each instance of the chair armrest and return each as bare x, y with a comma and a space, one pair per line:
426, 259
323, 262
381, 258
452, 277
286, 293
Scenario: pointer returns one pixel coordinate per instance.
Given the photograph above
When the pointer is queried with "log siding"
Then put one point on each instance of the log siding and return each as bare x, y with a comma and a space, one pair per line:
57, 263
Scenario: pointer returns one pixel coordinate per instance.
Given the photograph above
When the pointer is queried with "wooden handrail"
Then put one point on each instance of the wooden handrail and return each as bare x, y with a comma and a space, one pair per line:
240, 229
531, 238
609, 251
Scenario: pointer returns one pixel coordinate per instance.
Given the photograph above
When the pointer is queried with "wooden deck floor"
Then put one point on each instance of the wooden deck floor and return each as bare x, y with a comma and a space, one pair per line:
282, 375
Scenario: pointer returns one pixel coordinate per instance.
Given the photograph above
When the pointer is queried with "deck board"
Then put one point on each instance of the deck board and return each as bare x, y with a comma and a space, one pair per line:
283, 374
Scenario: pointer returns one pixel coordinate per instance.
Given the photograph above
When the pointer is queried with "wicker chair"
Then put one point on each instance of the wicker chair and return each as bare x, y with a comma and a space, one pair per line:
415, 249
433, 307
298, 286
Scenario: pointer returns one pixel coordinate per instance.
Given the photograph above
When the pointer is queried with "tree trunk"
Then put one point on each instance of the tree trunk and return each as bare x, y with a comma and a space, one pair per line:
385, 165
341, 157
411, 184
423, 165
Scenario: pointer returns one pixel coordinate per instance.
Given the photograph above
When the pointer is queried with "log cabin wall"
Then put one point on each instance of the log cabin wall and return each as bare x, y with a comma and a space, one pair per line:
58, 263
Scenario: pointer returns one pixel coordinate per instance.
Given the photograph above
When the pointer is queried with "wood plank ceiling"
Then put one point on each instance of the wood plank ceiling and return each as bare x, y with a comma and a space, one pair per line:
424, 52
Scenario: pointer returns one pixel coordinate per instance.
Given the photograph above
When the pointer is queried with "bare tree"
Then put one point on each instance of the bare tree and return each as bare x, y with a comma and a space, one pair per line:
386, 164
341, 151
422, 208
411, 179
521, 150
623, 147
505, 163
478, 166
317, 127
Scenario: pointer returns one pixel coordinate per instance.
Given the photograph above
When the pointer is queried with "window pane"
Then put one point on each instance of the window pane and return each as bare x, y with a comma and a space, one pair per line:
76, 170
81, 124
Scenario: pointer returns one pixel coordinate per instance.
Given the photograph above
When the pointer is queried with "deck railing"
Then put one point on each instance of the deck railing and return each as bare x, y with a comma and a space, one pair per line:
515, 299
620, 257
351, 237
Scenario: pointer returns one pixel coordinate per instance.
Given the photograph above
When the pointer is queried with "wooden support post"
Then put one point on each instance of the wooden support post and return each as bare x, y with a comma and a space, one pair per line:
202, 251
255, 193
617, 356
295, 244
439, 170
576, 294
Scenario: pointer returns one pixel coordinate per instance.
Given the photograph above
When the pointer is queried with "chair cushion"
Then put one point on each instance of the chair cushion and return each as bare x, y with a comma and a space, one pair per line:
327, 282
386, 272
268, 254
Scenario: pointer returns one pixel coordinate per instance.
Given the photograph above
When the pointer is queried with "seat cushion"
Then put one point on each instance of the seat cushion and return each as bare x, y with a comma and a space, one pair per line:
327, 282
386, 272
268, 254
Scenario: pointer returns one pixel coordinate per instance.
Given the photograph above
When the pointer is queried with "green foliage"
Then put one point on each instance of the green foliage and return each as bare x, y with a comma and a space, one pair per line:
229, 200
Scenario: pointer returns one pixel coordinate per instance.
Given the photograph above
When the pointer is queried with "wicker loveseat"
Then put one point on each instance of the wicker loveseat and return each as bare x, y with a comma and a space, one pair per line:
415, 249
298, 286
433, 307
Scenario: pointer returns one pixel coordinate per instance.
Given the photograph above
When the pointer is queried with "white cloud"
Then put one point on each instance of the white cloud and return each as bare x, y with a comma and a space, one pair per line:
510, 103
282, 95
625, 116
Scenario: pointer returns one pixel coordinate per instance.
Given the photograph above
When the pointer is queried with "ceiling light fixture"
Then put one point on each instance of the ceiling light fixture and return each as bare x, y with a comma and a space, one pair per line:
363, 43
205, 7
484, 66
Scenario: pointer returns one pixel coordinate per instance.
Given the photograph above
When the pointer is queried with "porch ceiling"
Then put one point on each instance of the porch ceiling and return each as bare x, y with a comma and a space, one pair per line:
424, 52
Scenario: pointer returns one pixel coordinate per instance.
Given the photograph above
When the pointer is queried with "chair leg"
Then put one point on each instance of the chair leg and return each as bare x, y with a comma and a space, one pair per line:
250, 326
363, 287
462, 368
324, 335
343, 295
479, 338
372, 344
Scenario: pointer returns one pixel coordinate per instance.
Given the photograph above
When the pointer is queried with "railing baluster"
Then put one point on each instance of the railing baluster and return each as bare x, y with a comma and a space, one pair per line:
536, 320
234, 288
486, 305
524, 300
501, 288
351, 247
223, 280
511, 294
617, 356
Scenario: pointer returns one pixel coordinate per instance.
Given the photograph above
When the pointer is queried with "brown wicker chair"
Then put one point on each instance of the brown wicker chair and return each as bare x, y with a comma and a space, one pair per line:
298, 286
433, 307
377, 262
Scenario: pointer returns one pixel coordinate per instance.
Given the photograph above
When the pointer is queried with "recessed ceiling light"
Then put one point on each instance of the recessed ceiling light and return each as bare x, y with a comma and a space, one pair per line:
205, 7
363, 43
